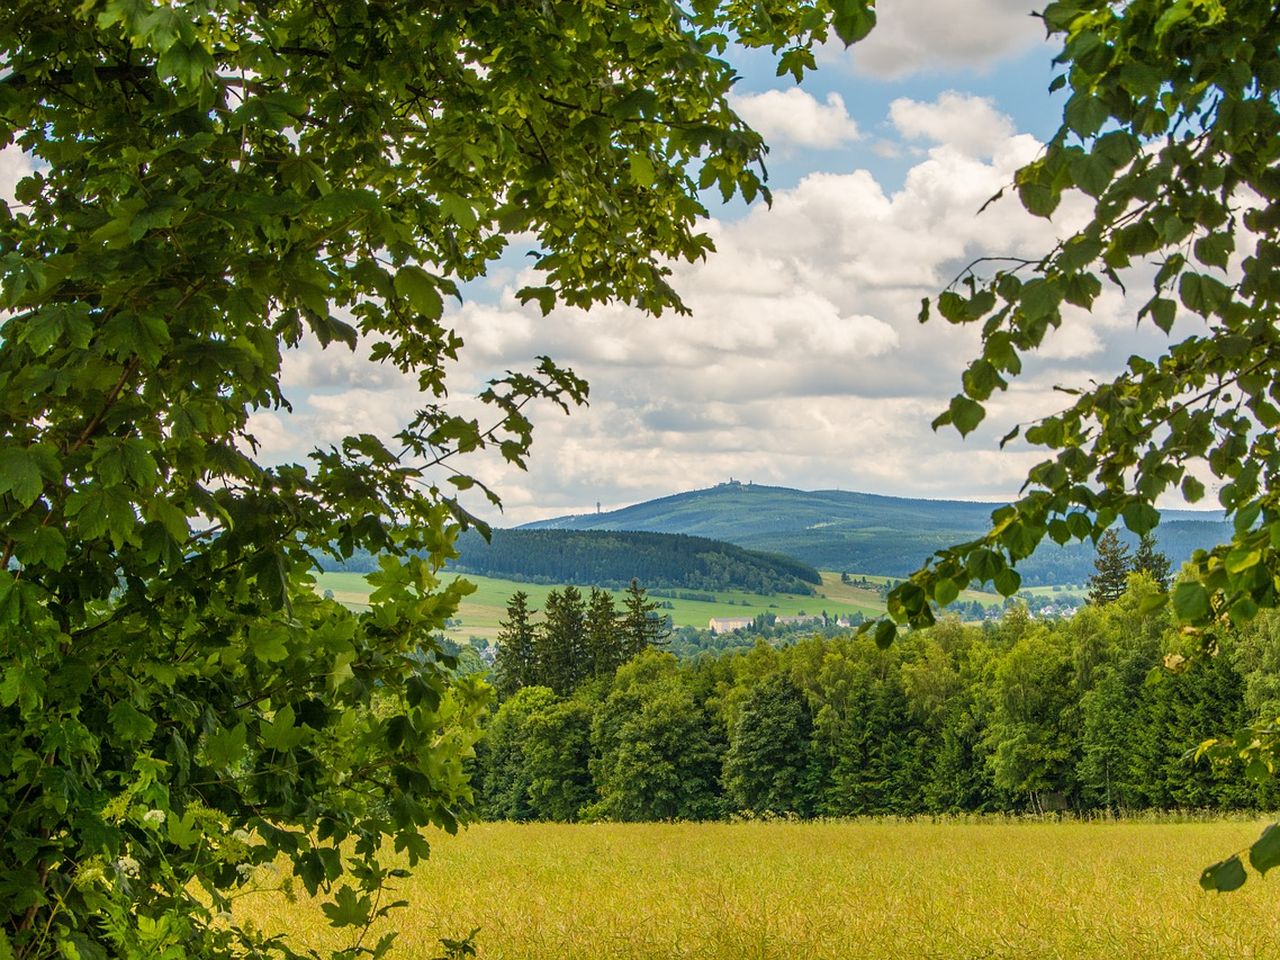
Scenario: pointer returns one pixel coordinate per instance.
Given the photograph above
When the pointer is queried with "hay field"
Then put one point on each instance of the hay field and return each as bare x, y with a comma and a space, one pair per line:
827, 891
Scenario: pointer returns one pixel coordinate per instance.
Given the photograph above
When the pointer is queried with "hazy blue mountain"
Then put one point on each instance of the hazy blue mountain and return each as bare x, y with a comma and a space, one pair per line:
863, 532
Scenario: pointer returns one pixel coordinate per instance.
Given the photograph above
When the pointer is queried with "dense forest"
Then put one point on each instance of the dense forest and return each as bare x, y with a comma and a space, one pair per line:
1101, 712
613, 558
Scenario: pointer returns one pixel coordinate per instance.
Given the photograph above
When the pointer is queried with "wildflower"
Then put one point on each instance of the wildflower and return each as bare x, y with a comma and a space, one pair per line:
128, 866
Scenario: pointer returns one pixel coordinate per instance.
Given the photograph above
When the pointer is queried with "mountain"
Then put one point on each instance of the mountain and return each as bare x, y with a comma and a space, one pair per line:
863, 532
613, 558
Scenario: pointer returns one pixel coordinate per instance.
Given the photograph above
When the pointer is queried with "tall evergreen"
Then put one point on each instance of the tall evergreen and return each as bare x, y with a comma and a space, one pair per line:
603, 635
560, 641
1151, 561
515, 664
1111, 560
642, 627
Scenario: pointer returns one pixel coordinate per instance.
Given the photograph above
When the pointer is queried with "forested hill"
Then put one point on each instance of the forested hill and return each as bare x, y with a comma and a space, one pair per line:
608, 558
862, 532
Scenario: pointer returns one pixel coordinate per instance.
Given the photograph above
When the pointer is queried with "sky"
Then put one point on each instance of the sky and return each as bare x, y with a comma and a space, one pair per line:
803, 363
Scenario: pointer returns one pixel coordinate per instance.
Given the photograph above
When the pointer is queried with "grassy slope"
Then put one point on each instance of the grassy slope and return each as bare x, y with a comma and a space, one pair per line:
823, 891
481, 612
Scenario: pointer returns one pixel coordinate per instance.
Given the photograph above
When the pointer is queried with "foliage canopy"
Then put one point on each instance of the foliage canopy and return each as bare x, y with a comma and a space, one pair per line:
1172, 128
216, 181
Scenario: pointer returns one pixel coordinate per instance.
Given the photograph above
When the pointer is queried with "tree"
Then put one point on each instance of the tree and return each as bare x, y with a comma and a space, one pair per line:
515, 663
768, 758
561, 641
506, 777
655, 753
641, 627
1111, 560
603, 640
218, 181
1151, 561
1172, 128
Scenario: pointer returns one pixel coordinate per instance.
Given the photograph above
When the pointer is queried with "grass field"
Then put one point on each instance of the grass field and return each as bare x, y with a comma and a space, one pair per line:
481, 612
824, 891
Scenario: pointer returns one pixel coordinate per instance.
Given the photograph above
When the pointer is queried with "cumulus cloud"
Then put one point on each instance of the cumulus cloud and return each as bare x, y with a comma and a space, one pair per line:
802, 362
913, 36
966, 123
794, 118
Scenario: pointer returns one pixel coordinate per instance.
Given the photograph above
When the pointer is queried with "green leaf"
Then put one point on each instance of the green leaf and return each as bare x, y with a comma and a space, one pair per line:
1153, 602
1140, 517
14, 682
1191, 602
1007, 582
267, 641
1265, 852
1224, 877
641, 169
1192, 489
546, 297
280, 733
44, 546
348, 910
20, 475
420, 289
852, 19
458, 210
886, 632
182, 831
227, 747
129, 723
966, 414
945, 591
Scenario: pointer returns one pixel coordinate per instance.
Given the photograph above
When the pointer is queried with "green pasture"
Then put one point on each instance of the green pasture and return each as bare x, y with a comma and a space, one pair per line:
820, 891
482, 611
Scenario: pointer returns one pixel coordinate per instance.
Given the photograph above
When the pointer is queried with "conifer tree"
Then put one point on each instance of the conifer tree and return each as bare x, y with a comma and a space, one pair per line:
515, 664
560, 641
1111, 560
603, 635
1147, 559
642, 627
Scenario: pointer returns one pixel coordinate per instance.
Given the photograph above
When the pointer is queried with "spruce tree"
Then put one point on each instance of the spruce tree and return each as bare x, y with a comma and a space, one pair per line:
1147, 559
560, 641
1111, 560
515, 664
642, 628
604, 647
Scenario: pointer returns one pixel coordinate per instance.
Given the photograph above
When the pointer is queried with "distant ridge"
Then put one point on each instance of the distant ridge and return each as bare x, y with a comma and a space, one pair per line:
864, 532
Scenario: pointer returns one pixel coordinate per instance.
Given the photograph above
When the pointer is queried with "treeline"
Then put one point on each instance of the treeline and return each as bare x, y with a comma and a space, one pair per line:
575, 639
614, 558
1099, 712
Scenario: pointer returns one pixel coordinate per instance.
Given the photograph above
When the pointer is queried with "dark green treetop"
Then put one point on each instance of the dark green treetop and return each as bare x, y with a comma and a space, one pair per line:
1112, 562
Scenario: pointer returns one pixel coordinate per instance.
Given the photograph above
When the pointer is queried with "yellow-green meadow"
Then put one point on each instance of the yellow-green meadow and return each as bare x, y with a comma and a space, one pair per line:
482, 611
824, 891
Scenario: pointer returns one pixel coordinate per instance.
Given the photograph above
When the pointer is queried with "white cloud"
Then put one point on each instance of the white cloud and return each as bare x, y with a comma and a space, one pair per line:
794, 118
913, 36
969, 124
14, 165
802, 362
